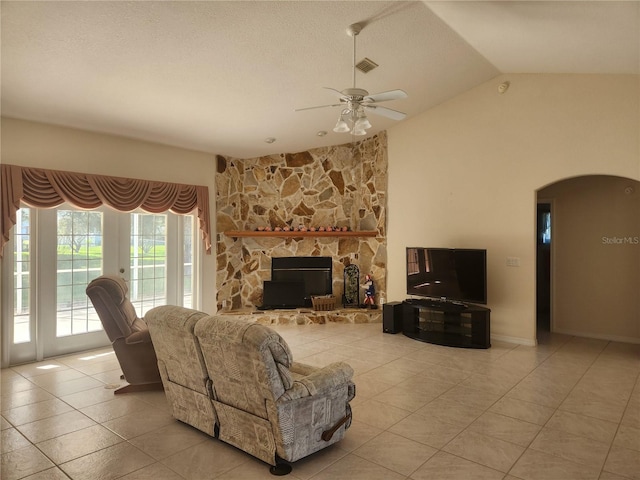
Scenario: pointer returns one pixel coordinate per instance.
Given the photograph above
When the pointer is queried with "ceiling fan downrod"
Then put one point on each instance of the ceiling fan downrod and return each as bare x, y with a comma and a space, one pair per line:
353, 31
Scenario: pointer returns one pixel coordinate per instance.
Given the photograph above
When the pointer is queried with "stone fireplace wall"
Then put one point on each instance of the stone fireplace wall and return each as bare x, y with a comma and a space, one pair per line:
344, 185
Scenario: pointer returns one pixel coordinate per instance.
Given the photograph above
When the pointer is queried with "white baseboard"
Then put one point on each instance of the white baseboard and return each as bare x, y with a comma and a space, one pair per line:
519, 340
611, 338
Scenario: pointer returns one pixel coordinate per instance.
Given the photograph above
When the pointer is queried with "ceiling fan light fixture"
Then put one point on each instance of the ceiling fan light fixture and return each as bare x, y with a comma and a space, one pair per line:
362, 122
358, 131
341, 126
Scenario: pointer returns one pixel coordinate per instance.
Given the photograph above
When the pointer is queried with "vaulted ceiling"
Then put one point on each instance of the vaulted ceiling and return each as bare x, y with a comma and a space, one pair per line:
222, 76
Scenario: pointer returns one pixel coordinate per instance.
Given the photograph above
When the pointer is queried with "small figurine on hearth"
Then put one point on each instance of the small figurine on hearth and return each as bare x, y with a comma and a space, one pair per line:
369, 292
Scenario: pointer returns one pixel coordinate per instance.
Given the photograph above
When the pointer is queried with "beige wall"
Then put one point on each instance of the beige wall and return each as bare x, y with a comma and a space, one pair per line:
46, 146
465, 174
596, 251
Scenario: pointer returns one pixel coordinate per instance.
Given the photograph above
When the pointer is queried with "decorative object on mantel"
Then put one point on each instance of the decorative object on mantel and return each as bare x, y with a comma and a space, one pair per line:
299, 233
301, 228
351, 296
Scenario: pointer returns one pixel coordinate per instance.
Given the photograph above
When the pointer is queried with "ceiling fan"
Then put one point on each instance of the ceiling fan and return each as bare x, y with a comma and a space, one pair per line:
357, 101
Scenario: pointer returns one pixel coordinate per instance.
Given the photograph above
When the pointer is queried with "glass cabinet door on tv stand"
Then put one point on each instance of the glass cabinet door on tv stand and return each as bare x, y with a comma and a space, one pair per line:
447, 324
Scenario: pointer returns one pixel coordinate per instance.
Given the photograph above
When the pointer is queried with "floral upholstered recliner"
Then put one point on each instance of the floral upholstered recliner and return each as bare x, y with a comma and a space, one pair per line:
181, 365
263, 402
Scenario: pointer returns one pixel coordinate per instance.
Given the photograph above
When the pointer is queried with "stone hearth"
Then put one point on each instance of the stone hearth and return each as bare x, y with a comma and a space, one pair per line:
342, 185
305, 316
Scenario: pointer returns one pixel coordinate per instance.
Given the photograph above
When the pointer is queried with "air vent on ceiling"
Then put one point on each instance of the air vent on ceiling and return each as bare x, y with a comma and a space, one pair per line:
366, 65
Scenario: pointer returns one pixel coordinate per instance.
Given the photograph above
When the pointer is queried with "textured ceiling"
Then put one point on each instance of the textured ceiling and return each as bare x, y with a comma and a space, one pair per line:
221, 76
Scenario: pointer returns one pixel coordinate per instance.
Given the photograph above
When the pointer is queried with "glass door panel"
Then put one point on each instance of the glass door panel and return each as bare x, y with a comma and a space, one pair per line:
71, 256
79, 260
22, 331
187, 261
17, 306
148, 267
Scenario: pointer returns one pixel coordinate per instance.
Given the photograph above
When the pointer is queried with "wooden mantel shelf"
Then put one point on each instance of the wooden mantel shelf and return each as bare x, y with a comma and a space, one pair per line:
255, 233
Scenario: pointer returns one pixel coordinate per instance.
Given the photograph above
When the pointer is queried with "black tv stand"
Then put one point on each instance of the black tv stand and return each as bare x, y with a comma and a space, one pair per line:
446, 323
436, 303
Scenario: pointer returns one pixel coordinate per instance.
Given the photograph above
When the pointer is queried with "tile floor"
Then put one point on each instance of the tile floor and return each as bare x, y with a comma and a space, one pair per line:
566, 409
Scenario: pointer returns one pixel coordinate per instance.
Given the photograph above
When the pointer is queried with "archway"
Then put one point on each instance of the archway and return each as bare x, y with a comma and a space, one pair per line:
594, 257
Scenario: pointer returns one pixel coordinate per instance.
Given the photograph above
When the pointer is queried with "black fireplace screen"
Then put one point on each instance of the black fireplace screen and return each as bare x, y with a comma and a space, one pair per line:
314, 272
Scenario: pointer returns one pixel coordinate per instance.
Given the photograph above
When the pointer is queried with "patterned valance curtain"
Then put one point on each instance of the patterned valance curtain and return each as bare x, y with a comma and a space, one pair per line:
43, 188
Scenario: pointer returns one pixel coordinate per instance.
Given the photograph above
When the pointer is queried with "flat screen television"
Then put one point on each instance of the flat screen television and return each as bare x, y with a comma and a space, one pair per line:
447, 274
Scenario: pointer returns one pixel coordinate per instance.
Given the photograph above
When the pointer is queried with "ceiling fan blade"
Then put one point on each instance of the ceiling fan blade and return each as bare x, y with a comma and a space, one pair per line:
386, 96
386, 112
319, 106
337, 92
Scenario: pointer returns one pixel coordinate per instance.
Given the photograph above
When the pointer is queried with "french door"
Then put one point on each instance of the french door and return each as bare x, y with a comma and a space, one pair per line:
52, 256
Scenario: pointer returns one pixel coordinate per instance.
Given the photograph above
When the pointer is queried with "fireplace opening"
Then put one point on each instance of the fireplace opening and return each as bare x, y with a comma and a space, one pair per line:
295, 279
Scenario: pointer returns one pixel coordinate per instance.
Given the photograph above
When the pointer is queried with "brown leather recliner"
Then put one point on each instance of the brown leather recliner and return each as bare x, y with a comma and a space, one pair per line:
129, 334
